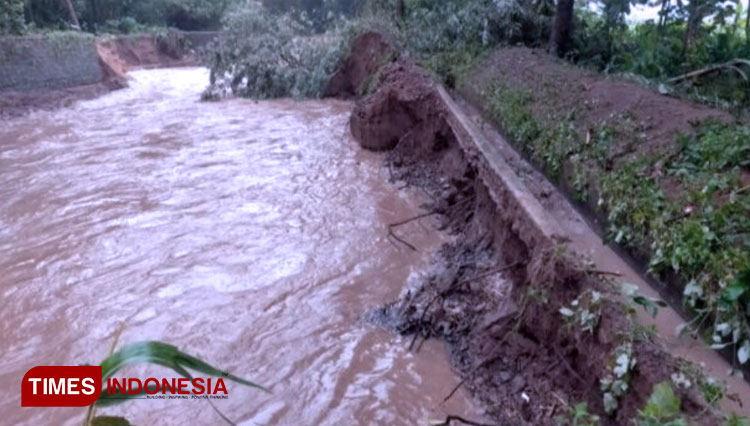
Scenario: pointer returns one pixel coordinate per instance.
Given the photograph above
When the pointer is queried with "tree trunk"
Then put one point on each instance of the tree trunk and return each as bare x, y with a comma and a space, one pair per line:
562, 29
401, 8
28, 11
747, 25
93, 13
692, 18
71, 14
663, 14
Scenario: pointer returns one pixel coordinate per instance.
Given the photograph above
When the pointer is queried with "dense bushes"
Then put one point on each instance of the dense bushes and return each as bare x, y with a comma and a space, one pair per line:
448, 36
267, 54
126, 16
11, 17
658, 52
262, 54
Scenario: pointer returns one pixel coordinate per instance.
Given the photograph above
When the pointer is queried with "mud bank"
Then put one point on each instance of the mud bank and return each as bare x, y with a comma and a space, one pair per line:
532, 328
149, 51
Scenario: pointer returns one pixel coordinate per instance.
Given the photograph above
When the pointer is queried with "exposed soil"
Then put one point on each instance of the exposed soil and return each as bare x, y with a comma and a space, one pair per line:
561, 89
495, 293
352, 78
144, 52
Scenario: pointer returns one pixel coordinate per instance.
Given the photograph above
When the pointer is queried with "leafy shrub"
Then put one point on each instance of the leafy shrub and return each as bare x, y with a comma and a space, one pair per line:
126, 25
265, 55
449, 36
662, 408
194, 14
578, 415
11, 17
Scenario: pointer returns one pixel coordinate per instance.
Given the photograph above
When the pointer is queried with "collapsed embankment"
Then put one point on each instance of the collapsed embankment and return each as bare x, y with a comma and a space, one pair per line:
532, 328
54, 70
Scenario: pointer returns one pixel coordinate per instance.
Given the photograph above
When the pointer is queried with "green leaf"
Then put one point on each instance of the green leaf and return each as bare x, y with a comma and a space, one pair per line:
159, 353
663, 404
734, 291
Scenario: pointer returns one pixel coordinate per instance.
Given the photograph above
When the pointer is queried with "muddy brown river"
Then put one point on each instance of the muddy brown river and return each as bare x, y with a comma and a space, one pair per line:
253, 234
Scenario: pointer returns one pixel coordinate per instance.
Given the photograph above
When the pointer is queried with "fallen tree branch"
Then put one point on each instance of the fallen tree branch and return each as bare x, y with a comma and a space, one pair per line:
731, 65
454, 390
421, 319
490, 272
417, 217
598, 272
453, 418
400, 240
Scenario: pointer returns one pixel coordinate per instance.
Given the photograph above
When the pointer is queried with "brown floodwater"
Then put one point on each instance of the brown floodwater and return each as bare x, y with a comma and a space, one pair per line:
253, 234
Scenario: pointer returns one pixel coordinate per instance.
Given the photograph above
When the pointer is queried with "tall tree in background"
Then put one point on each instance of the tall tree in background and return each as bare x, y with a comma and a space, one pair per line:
562, 27
71, 14
697, 11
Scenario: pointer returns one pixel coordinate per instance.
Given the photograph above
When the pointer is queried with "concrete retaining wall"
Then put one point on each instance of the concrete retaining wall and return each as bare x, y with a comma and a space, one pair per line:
53, 61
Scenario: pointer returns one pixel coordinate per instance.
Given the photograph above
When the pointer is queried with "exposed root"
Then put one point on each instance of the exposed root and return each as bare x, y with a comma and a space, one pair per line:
448, 420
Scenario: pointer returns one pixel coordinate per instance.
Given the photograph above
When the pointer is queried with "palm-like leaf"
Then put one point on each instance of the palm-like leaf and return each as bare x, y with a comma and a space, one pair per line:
158, 353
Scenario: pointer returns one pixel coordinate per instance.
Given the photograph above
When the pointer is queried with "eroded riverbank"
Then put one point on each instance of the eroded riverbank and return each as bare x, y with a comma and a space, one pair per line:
534, 327
251, 234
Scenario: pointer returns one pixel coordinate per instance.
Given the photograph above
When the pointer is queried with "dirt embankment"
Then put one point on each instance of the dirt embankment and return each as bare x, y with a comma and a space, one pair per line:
496, 295
640, 165
352, 79
115, 56
592, 100
146, 52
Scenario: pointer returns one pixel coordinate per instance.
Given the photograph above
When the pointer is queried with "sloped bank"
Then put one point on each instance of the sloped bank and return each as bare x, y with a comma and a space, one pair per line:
533, 331
664, 180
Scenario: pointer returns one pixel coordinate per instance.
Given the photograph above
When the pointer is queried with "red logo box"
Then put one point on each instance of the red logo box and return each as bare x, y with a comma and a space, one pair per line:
62, 386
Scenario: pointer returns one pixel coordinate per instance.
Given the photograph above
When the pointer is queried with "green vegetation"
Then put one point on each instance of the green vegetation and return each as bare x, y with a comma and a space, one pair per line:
615, 385
155, 353
662, 408
700, 233
117, 16
268, 55
584, 312
450, 37
578, 415
128, 16
11, 17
